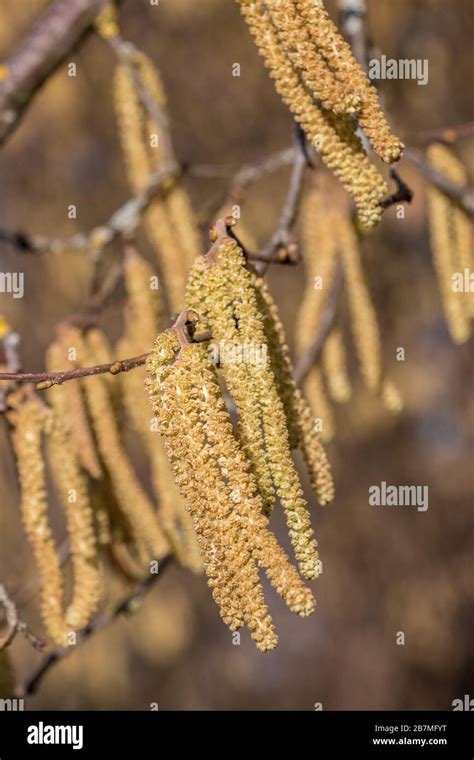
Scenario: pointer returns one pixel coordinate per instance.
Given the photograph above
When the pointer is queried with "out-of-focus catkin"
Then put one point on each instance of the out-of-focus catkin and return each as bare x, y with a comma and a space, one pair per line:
134, 502
72, 488
169, 220
451, 243
68, 402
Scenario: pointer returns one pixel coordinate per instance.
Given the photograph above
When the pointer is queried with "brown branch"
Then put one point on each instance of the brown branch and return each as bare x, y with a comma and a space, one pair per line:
123, 222
311, 356
126, 606
463, 196
46, 380
403, 193
14, 624
39, 54
447, 135
281, 239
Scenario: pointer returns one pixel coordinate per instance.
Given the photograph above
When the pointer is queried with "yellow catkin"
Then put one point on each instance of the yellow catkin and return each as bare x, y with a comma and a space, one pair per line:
68, 402
236, 321
334, 366
72, 488
451, 243
208, 294
318, 401
296, 39
169, 220
207, 460
31, 419
363, 317
338, 55
320, 259
303, 429
144, 319
333, 136
134, 502
7, 676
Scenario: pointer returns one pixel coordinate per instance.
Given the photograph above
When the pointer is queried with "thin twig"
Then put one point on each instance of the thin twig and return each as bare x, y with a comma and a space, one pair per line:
403, 193
124, 221
14, 624
127, 605
464, 196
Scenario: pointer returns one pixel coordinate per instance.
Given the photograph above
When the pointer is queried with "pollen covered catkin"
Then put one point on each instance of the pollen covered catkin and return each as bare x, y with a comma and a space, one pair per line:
144, 318
451, 243
339, 58
293, 32
235, 320
302, 427
206, 459
332, 135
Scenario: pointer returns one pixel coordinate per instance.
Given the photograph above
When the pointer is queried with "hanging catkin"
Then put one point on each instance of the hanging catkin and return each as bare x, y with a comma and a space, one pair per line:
207, 460
169, 220
233, 314
363, 317
144, 319
340, 60
332, 135
32, 419
334, 365
295, 37
319, 244
136, 506
72, 488
302, 427
451, 243
68, 402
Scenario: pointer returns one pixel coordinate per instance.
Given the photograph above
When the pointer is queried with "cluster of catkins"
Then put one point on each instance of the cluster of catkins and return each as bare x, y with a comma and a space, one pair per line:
111, 520
230, 478
327, 92
452, 244
146, 143
331, 250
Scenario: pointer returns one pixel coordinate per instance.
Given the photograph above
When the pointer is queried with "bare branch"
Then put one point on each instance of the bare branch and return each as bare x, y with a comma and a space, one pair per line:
39, 54
127, 605
464, 196
14, 624
123, 222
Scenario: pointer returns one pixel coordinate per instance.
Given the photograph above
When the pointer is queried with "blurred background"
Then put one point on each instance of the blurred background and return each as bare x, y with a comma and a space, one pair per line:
384, 570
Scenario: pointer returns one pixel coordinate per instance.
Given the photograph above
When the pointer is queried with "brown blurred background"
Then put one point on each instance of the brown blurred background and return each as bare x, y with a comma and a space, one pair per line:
386, 570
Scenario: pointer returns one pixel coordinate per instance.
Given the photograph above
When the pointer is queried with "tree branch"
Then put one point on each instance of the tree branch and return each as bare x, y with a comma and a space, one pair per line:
464, 196
43, 49
123, 607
